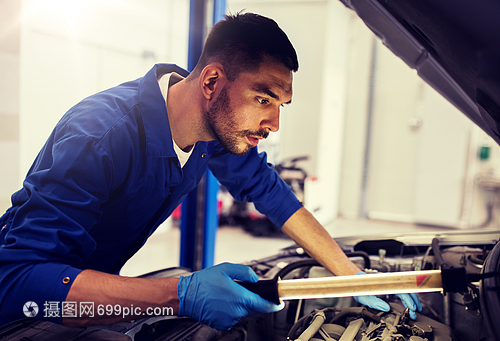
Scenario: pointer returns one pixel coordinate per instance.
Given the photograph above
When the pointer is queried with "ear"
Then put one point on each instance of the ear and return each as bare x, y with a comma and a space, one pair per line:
212, 78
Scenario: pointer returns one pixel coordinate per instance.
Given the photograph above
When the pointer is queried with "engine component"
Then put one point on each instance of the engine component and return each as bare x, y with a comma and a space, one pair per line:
490, 289
360, 324
471, 314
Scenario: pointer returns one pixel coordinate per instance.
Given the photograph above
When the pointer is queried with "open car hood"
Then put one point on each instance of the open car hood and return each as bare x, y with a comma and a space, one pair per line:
453, 44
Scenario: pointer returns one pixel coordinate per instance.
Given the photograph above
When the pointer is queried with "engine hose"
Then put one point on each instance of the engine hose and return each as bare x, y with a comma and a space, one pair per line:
437, 253
333, 316
362, 254
441, 264
355, 312
311, 262
318, 320
296, 265
387, 334
290, 252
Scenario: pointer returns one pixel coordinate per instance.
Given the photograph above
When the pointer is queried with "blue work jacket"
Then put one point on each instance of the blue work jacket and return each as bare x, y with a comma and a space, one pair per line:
106, 178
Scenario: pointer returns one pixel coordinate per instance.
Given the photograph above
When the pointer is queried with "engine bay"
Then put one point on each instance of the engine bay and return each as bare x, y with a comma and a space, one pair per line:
464, 316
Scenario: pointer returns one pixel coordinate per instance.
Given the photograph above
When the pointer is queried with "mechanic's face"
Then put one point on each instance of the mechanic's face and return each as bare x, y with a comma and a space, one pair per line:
247, 109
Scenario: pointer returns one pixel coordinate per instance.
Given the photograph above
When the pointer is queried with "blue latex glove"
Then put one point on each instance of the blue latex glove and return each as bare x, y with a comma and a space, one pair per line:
410, 301
212, 296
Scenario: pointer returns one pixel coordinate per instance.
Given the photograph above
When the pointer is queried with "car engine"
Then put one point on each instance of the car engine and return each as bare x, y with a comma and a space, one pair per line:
465, 316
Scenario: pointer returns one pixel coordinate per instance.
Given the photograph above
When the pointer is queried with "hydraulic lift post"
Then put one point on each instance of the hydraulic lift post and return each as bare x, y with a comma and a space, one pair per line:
199, 220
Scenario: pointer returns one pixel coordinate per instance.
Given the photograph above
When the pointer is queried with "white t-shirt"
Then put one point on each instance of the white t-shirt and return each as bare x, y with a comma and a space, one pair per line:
165, 82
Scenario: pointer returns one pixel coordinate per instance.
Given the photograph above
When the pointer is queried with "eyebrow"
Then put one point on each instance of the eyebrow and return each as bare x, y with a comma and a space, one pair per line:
264, 89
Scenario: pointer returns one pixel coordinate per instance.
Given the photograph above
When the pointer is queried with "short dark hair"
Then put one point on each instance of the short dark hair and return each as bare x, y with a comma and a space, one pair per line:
241, 41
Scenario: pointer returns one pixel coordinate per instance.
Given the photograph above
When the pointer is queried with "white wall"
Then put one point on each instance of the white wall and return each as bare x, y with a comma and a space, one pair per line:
10, 13
72, 49
424, 173
355, 123
441, 160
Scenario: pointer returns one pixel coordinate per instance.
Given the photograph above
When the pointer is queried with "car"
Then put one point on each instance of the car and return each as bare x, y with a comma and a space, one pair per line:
463, 316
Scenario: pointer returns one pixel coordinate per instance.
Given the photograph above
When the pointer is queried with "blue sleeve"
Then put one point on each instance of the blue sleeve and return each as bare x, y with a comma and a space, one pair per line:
45, 235
251, 178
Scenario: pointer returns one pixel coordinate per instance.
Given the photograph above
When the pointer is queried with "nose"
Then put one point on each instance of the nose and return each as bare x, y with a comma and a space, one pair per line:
272, 121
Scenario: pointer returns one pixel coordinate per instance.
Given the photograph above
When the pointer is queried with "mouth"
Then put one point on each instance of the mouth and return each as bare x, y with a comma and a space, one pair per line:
253, 140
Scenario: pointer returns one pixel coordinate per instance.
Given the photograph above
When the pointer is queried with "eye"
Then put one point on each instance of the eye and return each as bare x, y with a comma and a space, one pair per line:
263, 100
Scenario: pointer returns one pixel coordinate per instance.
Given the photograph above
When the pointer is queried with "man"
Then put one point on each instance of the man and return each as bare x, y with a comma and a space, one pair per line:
119, 162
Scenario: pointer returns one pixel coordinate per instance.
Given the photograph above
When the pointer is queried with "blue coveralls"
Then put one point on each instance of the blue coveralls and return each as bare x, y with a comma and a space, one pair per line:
106, 178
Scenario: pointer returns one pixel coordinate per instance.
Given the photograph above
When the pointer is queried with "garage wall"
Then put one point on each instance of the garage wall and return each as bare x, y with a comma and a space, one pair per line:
422, 160
361, 41
72, 49
10, 36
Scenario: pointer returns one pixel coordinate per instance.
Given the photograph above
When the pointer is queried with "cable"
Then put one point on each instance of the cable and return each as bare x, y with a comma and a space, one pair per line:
311, 262
437, 253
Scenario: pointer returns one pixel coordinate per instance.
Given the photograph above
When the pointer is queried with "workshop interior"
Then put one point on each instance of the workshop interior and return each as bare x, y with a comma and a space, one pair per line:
391, 141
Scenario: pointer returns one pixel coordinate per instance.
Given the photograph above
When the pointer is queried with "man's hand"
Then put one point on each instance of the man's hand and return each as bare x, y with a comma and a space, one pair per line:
410, 301
213, 297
